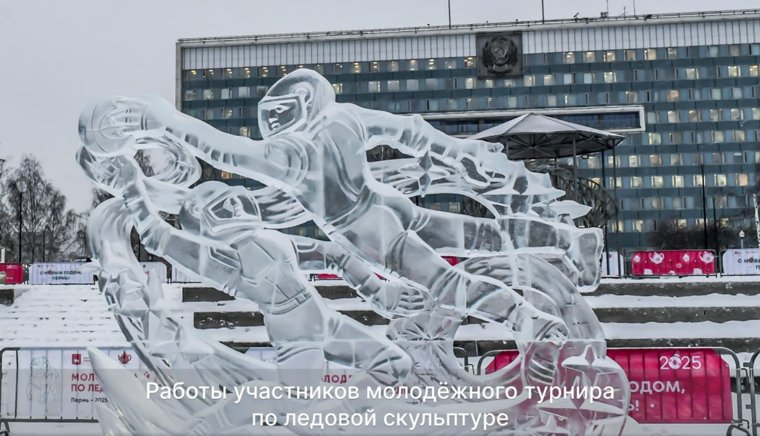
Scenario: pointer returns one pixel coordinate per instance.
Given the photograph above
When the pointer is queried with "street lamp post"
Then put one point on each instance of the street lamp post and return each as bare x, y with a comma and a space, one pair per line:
20, 217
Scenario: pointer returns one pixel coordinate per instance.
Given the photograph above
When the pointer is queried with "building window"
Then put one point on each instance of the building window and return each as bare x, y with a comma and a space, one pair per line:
734, 50
261, 91
245, 131
742, 179
714, 115
469, 83
756, 114
469, 62
569, 57
431, 64
657, 182
393, 66
609, 77
529, 80
374, 66
754, 70
412, 85
589, 56
631, 97
655, 160
739, 135
720, 180
733, 71
693, 116
650, 54
637, 182
717, 136
190, 95
692, 73
736, 114
373, 86
488, 83
208, 94
678, 181
244, 92
609, 56
712, 51
451, 64
655, 138
338, 87
246, 73
551, 100
226, 93
588, 78
736, 93
548, 79
413, 65
567, 78
672, 53
629, 55
638, 225
633, 161
673, 116
394, 86
357, 68
673, 95
337, 69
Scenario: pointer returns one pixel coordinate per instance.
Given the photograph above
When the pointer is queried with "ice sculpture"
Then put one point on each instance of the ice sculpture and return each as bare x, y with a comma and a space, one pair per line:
523, 271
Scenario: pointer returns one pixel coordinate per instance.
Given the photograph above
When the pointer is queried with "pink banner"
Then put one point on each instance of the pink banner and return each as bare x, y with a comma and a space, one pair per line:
669, 386
14, 273
673, 262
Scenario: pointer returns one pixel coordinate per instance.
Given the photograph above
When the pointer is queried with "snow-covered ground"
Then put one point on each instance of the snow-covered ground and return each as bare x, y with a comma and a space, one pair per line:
77, 316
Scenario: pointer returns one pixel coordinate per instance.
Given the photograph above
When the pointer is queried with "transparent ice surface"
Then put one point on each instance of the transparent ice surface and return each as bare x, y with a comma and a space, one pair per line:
524, 271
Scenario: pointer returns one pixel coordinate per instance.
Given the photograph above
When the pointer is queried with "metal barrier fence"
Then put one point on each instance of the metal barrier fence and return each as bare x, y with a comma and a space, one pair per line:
52, 384
57, 385
738, 423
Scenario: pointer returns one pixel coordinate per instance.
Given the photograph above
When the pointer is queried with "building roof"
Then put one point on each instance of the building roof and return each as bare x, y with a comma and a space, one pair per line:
514, 26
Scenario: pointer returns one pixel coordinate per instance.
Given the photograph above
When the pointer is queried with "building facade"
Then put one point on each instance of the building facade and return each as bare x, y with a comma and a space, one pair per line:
683, 88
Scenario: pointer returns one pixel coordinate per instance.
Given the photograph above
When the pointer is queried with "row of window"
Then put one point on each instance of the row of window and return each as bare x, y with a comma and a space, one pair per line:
700, 137
676, 181
669, 159
435, 84
640, 225
647, 54
642, 75
333, 68
686, 202
469, 62
699, 115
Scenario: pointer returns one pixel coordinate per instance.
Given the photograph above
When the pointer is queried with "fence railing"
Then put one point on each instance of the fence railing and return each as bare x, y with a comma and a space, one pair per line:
57, 384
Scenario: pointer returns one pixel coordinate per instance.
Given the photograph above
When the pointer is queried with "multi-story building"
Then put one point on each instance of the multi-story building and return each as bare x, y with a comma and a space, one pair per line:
682, 88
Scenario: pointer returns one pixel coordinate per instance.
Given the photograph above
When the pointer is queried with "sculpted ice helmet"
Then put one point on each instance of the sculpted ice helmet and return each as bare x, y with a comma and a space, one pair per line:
214, 208
293, 102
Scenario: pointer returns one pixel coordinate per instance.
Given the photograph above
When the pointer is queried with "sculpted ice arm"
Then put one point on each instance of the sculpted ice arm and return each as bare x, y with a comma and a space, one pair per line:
108, 125
414, 136
217, 263
394, 296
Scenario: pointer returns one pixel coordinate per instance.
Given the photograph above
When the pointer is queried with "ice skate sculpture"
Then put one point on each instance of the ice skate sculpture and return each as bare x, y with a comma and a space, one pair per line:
523, 272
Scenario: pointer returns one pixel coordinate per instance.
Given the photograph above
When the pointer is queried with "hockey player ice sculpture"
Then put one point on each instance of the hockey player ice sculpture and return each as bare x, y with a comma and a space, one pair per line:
523, 272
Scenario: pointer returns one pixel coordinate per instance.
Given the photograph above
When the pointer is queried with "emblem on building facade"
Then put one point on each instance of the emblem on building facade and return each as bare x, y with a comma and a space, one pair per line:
499, 55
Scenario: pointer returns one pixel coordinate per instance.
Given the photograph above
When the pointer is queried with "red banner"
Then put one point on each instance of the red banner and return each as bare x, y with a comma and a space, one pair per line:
673, 262
669, 386
14, 273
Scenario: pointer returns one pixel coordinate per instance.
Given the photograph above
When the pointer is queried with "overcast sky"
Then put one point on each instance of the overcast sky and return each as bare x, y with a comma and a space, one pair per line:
58, 55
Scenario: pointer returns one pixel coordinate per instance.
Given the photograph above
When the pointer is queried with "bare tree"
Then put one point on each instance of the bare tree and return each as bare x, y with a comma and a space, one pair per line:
35, 213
